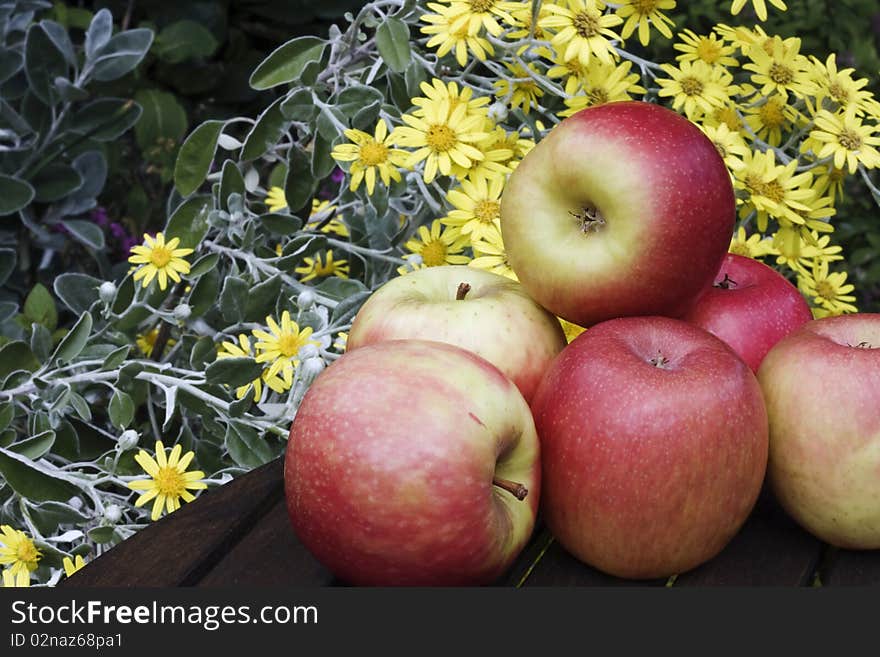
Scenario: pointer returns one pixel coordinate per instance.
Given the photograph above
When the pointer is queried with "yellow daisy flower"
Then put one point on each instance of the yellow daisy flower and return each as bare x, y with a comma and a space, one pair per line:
73, 565
477, 206
642, 14
437, 91
146, 341
169, 480
281, 346
490, 255
798, 250
11, 581
159, 260
604, 83
482, 14
774, 190
771, 118
759, 5
706, 48
320, 211
437, 246
838, 88
18, 554
276, 201
319, 267
754, 246
242, 349
442, 138
730, 144
778, 67
696, 87
829, 291
498, 148
829, 181
847, 139
369, 154
448, 34
582, 30
521, 90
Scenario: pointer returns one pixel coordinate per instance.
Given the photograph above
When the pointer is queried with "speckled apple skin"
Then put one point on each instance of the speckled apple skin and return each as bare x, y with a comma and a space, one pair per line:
389, 467
666, 197
649, 471
758, 309
496, 320
823, 399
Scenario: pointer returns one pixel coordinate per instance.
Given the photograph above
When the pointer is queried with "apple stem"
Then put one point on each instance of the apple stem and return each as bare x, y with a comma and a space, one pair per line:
517, 490
659, 361
589, 218
726, 283
463, 289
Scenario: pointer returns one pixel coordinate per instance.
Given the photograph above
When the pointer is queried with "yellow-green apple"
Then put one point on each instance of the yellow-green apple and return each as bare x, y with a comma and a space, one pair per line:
653, 446
751, 307
413, 462
488, 314
622, 209
822, 389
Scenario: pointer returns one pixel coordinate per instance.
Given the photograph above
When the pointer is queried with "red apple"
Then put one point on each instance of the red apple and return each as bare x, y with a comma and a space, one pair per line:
653, 446
622, 209
751, 307
482, 312
413, 463
822, 389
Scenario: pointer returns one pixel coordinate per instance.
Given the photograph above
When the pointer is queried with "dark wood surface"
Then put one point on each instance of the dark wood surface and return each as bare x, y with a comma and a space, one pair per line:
239, 535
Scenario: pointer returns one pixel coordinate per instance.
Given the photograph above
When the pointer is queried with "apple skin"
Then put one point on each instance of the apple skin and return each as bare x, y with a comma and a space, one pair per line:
390, 463
751, 307
663, 191
823, 401
496, 320
649, 471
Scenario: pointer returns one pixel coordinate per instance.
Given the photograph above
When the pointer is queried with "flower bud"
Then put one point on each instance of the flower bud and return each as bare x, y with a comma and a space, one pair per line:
113, 513
305, 300
182, 312
128, 440
497, 112
307, 352
310, 368
107, 292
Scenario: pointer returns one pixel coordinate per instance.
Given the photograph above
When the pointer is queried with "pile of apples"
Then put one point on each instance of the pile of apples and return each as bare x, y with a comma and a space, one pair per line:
459, 415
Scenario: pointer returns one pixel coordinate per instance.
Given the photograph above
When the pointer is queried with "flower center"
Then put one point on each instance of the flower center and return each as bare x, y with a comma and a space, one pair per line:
709, 51
644, 7
781, 74
170, 481
434, 253
597, 96
440, 138
774, 191
740, 248
289, 344
160, 256
480, 6
825, 290
728, 116
487, 211
850, 140
585, 24
691, 86
839, 93
373, 153
27, 553
771, 114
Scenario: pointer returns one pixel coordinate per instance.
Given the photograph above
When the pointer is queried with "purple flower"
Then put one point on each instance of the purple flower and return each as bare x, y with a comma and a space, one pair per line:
99, 216
118, 231
338, 175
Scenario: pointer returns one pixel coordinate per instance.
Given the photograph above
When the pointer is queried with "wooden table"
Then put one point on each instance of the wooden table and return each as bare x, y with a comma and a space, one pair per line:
239, 535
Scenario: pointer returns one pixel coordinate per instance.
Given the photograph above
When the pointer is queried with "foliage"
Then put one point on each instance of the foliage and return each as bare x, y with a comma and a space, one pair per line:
380, 148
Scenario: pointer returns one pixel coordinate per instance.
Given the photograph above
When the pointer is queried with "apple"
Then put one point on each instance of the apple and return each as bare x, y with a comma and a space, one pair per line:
488, 314
751, 307
622, 209
653, 446
822, 389
413, 462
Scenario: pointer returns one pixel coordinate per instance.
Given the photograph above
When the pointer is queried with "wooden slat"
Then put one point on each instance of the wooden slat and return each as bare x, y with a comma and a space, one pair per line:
270, 555
769, 550
178, 549
851, 568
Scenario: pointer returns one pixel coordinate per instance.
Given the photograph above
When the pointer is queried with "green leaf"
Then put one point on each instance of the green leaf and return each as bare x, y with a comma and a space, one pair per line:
102, 535
16, 355
231, 182
75, 340
11, 62
39, 307
7, 413
327, 127
35, 447
92, 168
204, 264
322, 162
262, 299
354, 98
77, 291
105, 119
392, 39
60, 39
233, 371
281, 224
81, 406
8, 310
43, 62
99, 33
121, 409
202, 352
15, 194
233, 299
299, 106
300, 185
8, 261
121, 54
86, 233
265, 133
246, 447
340, 288
41, 342
115, 358
34, 481
347, 308
49, 515
195, 156
185, 39
189, 222
204, 294
286, 63
55, 181
163, 118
